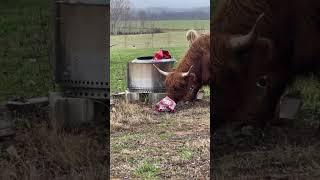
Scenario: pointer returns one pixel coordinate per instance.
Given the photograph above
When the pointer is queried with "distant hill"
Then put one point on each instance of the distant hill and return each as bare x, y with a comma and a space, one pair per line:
162, 13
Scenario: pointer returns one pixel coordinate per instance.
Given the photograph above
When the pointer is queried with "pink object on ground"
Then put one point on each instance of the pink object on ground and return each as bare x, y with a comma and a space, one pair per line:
166, 105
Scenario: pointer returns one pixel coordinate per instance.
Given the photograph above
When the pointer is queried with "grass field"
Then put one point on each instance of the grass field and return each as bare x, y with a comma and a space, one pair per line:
160, 40
24, 49
178, 24
172, 25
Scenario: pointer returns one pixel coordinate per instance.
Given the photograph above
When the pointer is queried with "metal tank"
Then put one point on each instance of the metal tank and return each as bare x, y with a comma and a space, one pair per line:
143, 77
81, 49
80, 63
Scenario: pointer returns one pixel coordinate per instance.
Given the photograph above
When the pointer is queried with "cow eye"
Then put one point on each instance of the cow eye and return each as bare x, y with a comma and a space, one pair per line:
262, 82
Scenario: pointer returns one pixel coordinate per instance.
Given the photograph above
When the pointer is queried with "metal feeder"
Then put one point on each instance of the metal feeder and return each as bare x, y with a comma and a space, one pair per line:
143, 79
81, 61
82, 48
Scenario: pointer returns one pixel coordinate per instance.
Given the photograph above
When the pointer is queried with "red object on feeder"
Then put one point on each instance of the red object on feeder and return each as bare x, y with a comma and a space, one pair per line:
162, 54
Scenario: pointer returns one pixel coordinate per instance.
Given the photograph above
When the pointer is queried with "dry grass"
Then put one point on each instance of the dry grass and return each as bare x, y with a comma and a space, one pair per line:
38, 152
277, 153
149, 145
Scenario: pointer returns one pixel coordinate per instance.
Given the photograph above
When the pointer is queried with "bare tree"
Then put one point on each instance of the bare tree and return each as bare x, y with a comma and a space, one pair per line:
142, 17
120, 11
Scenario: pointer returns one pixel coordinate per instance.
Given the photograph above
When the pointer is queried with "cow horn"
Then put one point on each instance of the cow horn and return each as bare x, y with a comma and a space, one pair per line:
160, 71
246, 40
187, 73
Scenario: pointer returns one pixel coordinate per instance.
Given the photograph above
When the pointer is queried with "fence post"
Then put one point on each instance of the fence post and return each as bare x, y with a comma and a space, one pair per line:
169, 38
152, 31
152, 39
125, 41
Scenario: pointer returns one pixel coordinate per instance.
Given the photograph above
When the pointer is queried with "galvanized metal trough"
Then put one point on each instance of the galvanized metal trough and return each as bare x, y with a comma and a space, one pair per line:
144, 82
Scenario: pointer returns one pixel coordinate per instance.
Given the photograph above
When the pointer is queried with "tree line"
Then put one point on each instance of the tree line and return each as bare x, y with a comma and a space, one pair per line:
122, 13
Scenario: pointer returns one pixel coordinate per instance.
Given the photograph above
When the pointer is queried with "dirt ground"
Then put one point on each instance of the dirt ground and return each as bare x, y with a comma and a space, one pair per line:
148, 145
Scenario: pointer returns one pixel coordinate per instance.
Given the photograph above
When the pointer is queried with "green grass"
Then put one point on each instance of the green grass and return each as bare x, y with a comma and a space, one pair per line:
126, 141
165, 135
24, 48
185, 153
308, 89
147, 170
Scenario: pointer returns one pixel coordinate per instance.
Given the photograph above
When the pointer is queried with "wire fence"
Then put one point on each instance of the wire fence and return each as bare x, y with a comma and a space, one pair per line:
149, 30
148, 38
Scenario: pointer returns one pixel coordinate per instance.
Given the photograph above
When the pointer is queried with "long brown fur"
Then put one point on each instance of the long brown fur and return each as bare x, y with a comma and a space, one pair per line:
293, 27
198, 56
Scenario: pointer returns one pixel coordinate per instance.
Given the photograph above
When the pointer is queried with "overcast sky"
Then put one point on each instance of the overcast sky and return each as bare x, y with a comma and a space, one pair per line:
170, 3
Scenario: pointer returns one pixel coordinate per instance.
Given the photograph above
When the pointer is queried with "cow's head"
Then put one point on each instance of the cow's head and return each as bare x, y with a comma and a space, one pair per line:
181, 85
244, 83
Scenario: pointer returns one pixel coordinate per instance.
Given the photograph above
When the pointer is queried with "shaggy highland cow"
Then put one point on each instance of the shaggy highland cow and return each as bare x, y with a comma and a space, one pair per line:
192, 72
259, 46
